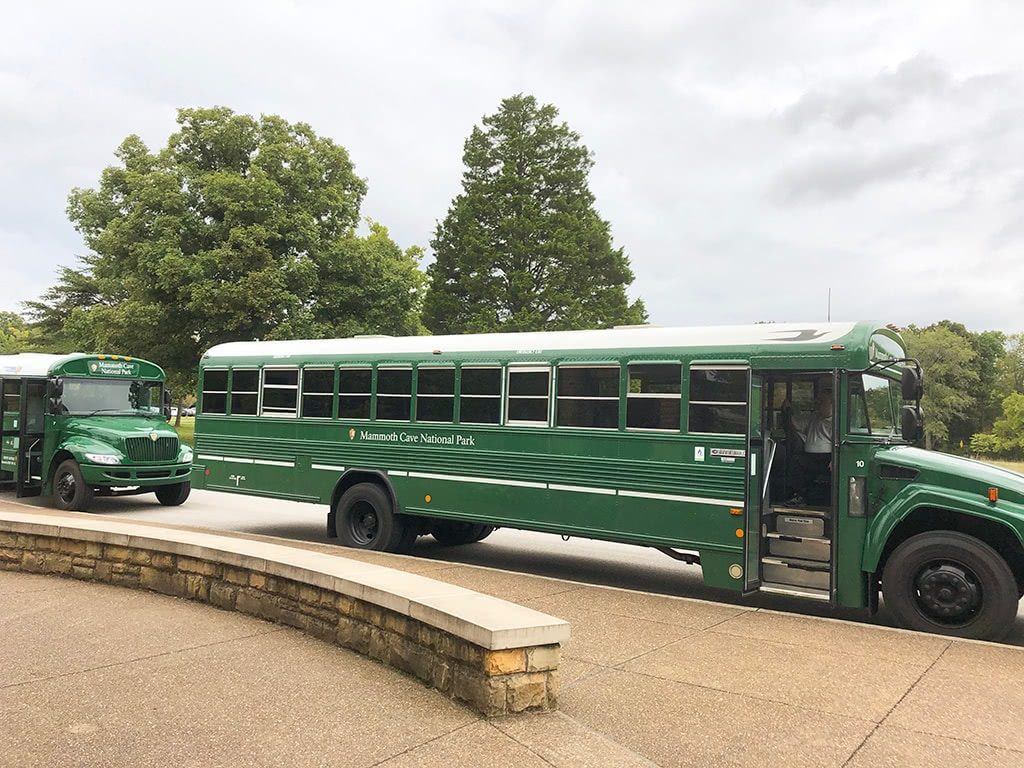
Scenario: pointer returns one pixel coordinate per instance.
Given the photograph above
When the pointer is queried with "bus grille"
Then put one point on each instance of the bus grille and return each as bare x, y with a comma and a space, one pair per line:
144, 449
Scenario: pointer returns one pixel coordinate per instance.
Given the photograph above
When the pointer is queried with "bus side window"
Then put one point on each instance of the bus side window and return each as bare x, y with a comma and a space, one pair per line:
245, 391
588, 396
394, 394
435, 394
480, 395
354, 393
528, 394
718, 400
215, 391
653, 399
280, 392
317, 392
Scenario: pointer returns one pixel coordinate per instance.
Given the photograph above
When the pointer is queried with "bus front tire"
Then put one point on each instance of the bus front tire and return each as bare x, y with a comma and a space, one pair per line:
951, 584
449, 533
70, 491
173, 495
364, 518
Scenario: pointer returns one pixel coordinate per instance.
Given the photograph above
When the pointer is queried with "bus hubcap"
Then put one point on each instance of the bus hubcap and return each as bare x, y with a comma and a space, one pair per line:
66, 486
364, 523
948, 592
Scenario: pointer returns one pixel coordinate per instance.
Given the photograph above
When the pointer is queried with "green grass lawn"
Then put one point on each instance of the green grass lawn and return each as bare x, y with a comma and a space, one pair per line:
187, 430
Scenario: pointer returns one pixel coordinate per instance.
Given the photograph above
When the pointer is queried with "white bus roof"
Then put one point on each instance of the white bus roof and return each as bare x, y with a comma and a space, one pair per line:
32, 364
649, 337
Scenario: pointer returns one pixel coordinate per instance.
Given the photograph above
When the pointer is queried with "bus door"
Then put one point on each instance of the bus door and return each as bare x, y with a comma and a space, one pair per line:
756, 485
10, 419
30, 437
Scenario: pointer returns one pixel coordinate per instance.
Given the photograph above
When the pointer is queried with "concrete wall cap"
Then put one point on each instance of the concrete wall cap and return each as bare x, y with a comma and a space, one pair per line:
487, 621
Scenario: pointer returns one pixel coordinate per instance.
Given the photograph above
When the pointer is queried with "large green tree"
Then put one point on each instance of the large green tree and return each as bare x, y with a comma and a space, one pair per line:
239, 228
951, 379
522, 246
13, 333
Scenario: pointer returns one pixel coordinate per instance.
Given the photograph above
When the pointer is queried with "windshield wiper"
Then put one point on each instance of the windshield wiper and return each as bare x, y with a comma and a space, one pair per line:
101, 410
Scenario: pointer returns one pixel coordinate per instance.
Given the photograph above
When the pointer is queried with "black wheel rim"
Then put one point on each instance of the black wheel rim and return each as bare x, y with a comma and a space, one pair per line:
948, 593
66, 487
363, 523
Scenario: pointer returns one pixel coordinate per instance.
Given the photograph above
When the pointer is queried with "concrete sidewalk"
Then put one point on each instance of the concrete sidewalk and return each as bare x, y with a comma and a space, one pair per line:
96, 675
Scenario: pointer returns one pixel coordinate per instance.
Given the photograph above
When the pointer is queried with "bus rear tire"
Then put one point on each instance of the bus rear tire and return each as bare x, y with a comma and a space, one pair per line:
449, 533
951, 584
70, 491
364, 518
173, 495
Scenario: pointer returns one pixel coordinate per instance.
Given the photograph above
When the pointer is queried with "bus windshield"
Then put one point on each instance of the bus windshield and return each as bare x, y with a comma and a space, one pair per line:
86, 397
874, 406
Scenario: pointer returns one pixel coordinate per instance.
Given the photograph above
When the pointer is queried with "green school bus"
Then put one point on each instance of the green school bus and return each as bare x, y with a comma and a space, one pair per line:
780, 458
75, 426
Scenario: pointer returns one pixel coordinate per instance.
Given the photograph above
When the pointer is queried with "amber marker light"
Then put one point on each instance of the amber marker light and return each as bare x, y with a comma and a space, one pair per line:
739, 533
993, 495
838, 347
735, 511
427, 498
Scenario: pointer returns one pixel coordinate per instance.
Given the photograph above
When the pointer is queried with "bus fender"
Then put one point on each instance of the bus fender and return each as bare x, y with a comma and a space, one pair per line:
918, 496
353, 476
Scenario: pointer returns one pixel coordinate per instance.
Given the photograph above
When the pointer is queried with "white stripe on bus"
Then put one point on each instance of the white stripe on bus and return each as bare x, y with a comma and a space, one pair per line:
207, 456
398, 472
273, 463
581, 489
237, 460
484, 480
671, 497
331, 467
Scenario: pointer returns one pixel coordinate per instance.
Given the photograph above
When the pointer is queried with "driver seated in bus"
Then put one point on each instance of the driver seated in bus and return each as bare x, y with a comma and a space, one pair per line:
812, 481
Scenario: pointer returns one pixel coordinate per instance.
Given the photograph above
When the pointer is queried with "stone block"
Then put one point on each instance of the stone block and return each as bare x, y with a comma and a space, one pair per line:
485, 694
102, 571
526, 691
197, 587
505, 662
140, 556
353, 634
24, 541
553, 685
71, 546
47, 544
343, 604
8, 539
162, 560
239, 576
542, 658
82, 571
258, 581
223, 594
192, 565
116, 553
10, 554
162, 581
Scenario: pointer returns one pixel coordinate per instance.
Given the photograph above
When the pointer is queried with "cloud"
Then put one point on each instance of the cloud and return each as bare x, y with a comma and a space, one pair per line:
835, 175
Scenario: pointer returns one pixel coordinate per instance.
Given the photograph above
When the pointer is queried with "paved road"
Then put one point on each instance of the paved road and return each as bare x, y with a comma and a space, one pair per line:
591, 562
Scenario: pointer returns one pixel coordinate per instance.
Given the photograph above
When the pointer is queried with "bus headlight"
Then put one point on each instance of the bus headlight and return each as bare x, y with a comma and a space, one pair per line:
103, 458
186, 456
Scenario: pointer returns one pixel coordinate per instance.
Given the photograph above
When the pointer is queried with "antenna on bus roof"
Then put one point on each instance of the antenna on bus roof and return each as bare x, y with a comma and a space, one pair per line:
828, 315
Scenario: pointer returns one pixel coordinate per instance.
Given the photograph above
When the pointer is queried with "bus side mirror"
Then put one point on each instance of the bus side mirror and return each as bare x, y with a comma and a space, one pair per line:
167, 405
912, 423
55, 392
913, 387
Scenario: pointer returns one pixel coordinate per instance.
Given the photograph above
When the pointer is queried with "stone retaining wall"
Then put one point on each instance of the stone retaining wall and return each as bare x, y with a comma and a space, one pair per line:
493, 682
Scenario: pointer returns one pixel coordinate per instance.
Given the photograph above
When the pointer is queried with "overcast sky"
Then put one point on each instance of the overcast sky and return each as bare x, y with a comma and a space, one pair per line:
748, 155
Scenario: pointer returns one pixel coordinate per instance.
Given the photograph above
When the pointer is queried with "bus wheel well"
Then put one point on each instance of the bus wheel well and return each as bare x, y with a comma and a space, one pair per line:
58, 458
998, 536
354, 477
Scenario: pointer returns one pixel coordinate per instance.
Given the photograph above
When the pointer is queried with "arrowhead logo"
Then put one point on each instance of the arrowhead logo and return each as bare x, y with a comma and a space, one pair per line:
153, 436
352, 433
92, 367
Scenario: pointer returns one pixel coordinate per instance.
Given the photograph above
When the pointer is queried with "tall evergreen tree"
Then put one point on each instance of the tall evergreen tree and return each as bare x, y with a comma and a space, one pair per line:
522, 247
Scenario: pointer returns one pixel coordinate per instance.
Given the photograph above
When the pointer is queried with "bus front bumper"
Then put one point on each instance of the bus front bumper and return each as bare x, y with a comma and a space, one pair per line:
149, 476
